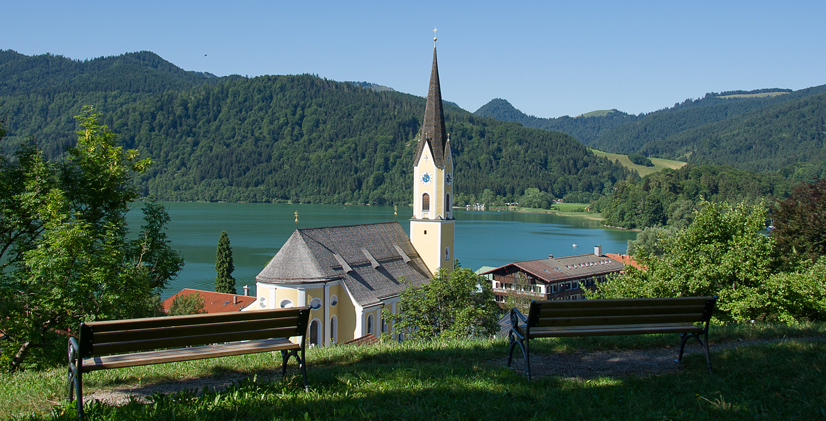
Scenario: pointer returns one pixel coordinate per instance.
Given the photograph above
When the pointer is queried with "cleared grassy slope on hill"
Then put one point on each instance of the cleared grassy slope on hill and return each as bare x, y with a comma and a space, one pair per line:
659, 163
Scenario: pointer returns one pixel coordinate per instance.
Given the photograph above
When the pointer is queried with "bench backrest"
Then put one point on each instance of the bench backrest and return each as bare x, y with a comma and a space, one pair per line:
558, 313
120, 336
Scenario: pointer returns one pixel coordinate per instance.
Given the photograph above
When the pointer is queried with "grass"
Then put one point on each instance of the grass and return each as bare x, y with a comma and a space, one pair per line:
659, 164
468, 379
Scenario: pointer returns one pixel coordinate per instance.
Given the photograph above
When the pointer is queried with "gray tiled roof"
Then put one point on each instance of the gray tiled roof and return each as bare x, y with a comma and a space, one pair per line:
309, 256
568, 267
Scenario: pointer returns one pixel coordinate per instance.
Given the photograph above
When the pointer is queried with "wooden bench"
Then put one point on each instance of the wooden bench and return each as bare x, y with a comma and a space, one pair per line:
129, 343
688, 316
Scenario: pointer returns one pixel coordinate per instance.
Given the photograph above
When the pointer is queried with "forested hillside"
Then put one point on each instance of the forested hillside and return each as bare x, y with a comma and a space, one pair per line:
764, 130
281, 138
583, 128
670, 197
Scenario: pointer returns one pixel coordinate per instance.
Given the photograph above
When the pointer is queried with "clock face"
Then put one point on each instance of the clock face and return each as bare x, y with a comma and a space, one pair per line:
449, 178
426, 178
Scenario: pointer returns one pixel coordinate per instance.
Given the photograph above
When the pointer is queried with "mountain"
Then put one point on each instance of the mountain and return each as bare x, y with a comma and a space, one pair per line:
281, 138
584, 128
763, 130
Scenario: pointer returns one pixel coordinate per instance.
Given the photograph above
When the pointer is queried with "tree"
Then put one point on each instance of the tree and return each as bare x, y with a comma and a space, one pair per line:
187, 304
800, 221
224, 282
458, 304
63, 238
519, 294
723, 252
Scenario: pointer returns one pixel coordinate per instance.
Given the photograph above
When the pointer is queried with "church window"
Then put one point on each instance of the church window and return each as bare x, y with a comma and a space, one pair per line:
315, 326
447, 204
369, 324
286, 304
333, 332
425, 202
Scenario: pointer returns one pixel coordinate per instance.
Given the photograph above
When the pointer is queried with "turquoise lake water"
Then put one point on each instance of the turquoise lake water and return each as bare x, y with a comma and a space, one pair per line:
258, 230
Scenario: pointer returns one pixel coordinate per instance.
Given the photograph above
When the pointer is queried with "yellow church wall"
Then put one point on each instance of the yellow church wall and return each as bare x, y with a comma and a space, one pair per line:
346, 317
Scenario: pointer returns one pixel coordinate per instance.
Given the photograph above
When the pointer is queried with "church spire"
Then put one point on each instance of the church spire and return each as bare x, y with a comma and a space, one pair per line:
433, 126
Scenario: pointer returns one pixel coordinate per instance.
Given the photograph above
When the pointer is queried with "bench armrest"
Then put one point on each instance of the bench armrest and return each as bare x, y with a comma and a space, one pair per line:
517, 317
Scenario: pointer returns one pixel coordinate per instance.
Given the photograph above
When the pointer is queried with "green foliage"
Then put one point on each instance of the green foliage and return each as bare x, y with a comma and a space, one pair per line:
187, 304
285, 138
670, 196
65, 253
458, 304
724, 253
800, 221
518, 295
224, 282
584, 128
640, 160
648, 241
533, 198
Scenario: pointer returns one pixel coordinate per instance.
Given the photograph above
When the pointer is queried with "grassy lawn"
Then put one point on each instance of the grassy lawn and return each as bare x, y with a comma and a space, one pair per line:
781, 378
659, 164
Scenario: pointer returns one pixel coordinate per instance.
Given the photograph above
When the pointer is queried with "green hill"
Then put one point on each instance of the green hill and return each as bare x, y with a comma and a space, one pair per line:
761, 130
584, 128
281, 138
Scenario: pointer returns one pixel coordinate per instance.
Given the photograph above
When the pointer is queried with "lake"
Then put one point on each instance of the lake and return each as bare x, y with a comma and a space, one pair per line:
258, 230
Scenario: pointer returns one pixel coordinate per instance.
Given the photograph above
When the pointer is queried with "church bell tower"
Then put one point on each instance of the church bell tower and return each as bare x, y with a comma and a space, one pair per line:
432, 225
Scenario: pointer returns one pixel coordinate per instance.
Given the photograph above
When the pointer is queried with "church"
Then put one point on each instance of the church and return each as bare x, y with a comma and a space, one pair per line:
351, 275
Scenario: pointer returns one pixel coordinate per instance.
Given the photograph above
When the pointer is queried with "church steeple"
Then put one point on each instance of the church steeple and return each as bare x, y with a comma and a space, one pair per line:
432, 226
433, 132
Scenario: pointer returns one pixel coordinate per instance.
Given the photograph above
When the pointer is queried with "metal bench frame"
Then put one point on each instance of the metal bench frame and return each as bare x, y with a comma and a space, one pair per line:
156, 340
564, 318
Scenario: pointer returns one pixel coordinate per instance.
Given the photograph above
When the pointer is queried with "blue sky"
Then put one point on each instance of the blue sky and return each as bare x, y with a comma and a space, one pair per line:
548, 58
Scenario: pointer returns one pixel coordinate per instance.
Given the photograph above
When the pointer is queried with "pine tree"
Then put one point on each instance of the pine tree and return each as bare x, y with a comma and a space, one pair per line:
224, 282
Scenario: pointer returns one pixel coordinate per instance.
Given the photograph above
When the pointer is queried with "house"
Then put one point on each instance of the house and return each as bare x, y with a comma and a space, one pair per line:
554, 278
352, 275
214, 302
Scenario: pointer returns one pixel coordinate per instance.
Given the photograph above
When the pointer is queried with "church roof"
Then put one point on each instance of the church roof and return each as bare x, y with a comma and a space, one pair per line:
433, 132
370, 259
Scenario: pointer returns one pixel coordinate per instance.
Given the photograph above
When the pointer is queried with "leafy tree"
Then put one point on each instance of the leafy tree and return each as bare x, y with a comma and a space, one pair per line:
640, 160
187, 304
518, 295
800, 221
63, 238
224, 282
648, 241
458, 304
722, 252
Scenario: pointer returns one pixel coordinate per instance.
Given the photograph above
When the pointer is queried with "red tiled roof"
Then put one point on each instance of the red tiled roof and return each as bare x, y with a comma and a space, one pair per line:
214, 302
368, 339
624, 259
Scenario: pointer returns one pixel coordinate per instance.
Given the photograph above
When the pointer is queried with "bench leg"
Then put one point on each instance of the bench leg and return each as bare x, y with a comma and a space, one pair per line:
523, 345
704, 344
285, 357
75, 378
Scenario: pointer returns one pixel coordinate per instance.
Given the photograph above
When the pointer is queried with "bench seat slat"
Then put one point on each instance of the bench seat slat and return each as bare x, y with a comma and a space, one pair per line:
618, 320
195, 340
636, 302
553, 311
601, 330
186, 354
192, 319
191, 330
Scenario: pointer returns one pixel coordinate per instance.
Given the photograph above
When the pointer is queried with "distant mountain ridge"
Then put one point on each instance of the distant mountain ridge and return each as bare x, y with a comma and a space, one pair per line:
745, 129
281, 138
585, 128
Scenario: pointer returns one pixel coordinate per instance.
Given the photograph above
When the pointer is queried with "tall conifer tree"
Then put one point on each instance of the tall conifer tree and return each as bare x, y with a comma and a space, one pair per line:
224, 282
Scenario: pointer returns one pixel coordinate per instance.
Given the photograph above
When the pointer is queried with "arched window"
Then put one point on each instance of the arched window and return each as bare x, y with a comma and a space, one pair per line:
369, 324
425, 202
315, 326
286, 304
447, 204
333, 332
